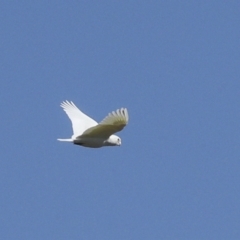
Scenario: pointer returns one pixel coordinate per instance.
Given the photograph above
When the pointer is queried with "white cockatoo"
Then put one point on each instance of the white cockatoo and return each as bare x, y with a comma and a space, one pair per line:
88, 133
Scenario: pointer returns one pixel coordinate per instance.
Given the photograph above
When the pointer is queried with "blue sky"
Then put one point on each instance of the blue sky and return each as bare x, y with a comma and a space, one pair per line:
174, 65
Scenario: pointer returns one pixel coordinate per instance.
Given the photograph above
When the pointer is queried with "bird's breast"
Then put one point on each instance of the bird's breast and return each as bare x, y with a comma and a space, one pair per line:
89, 142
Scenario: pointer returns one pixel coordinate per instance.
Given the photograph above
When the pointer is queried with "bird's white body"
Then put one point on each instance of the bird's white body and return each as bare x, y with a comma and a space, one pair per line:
88, 133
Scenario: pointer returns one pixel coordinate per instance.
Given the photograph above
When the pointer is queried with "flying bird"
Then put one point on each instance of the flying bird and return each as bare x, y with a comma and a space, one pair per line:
88, 133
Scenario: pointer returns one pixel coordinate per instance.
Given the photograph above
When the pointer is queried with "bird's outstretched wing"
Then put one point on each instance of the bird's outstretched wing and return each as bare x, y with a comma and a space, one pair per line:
114, 122
80, 121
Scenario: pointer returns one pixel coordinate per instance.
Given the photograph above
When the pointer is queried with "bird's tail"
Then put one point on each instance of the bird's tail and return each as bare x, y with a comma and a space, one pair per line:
65, 140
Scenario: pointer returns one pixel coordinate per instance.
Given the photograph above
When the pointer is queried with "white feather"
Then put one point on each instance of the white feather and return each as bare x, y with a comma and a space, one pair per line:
80, 121
114, 122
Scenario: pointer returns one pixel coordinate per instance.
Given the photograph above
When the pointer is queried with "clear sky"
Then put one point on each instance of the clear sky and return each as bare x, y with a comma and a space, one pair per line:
175, 65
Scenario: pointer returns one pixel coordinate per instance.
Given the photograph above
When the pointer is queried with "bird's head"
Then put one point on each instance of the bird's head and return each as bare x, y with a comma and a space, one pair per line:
113, 140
